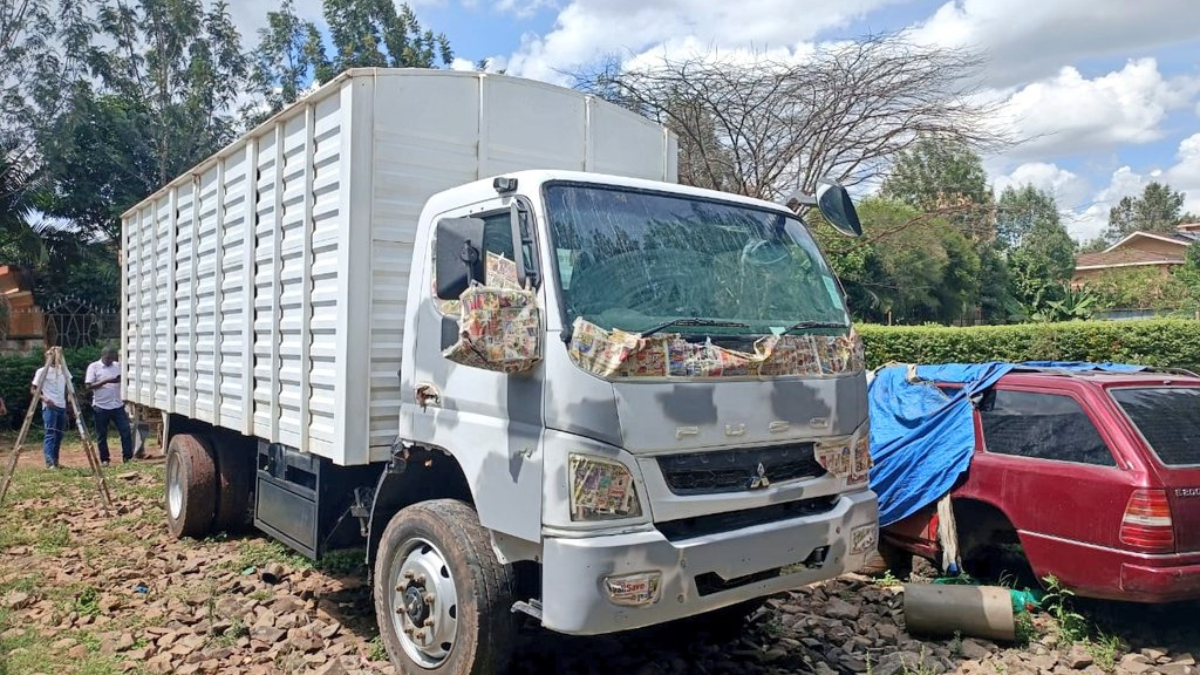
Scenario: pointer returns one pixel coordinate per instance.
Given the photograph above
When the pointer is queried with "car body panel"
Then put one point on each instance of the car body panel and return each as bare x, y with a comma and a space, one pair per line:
1067, 515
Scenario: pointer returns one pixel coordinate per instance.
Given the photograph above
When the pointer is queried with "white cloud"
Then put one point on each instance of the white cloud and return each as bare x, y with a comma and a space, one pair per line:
523, 8
1070, 113
462, 64
1031, 39
1069, 189
1184, 176
588, 29
1087, 221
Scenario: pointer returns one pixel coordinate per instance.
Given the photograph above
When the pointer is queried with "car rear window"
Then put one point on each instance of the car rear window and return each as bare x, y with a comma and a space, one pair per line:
1041, 426
1169, 419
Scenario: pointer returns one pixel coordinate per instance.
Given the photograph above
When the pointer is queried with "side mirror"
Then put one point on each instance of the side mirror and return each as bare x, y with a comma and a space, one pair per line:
835, 206
459, 256
834, 203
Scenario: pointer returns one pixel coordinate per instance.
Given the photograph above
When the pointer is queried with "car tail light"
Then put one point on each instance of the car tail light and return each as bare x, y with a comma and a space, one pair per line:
1147, 523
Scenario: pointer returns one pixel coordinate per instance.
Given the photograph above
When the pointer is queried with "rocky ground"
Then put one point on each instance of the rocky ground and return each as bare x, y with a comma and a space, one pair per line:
85, 592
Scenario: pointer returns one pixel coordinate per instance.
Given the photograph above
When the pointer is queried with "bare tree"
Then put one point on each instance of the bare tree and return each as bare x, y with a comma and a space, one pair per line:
764, 126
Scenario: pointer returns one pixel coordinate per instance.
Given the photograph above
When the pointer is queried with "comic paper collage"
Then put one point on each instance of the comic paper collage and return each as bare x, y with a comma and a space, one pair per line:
617, 354
499, 324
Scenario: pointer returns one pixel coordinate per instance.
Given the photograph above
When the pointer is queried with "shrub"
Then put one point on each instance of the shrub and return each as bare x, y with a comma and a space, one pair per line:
1171, 343
16, 374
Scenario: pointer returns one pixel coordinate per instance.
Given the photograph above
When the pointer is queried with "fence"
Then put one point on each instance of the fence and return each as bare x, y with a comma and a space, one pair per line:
68, 323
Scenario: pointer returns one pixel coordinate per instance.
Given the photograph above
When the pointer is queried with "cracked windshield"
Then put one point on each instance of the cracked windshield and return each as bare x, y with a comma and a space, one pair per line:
643, 262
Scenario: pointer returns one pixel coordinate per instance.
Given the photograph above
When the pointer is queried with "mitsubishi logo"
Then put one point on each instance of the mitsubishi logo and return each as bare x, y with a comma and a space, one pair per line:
760, 480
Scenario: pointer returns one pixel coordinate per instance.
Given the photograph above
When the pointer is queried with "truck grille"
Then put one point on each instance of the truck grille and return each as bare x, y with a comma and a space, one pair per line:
737, 470
702, 526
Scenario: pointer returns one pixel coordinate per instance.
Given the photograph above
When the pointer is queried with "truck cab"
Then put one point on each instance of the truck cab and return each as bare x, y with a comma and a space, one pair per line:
685, 428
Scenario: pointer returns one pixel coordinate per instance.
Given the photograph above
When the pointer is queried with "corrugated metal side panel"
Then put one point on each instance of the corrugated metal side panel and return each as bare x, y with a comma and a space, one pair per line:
232, 283
185, 248
234, 381
265, 288
160, 309
419, 150
291, 289
204, 316
525, 126
623, 144
328, 219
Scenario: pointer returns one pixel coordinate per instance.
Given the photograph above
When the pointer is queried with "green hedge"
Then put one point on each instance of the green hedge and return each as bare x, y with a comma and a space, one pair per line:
16, 374
1171, 343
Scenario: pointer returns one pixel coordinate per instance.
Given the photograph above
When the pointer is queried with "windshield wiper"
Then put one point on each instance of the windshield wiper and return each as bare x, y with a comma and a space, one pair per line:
814, 324
694, 321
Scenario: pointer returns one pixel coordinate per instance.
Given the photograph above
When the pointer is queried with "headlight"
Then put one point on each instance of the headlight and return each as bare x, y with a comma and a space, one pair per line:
602, 489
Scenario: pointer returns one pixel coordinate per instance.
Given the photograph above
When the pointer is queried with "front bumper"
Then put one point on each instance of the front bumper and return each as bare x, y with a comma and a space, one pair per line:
744, 564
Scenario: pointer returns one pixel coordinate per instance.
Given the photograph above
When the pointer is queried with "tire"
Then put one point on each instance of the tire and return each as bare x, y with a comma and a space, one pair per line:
191, 486
450, 555
235, 471
898, 561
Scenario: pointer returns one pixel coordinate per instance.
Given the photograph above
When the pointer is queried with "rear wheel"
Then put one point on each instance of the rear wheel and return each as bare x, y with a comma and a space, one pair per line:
191, 486
443, 601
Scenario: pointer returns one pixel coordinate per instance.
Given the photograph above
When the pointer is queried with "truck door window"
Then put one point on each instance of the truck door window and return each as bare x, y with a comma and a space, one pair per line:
1041, 426
497, 238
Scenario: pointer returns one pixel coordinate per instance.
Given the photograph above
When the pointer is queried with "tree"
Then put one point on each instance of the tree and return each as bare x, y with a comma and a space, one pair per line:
1025, 211
924, 270
42, 44
1041, 254
291, 55
1095, 245
765, 127
19, 241
1159, 209
168, 76
937, 173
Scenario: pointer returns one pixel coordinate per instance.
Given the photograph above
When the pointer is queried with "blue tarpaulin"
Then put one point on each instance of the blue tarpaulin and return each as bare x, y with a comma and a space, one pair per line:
922, 439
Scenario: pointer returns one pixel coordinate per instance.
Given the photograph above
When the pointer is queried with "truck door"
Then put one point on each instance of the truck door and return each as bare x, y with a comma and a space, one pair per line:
490, 421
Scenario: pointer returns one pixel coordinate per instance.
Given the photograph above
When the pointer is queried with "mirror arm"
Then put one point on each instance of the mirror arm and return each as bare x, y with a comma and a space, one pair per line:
469, 255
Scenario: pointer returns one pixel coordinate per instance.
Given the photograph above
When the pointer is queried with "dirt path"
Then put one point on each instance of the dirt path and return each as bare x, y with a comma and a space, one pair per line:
85, 592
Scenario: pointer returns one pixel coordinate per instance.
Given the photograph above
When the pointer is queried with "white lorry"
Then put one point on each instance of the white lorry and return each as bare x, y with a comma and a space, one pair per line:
472, 325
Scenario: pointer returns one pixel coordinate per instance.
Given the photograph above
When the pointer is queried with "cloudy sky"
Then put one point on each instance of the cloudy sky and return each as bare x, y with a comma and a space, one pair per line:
1108, 89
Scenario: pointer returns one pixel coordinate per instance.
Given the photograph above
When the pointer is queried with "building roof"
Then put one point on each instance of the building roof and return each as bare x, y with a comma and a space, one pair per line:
1125, 257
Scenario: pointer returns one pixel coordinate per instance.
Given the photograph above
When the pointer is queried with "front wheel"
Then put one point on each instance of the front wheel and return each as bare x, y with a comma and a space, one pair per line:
442, 600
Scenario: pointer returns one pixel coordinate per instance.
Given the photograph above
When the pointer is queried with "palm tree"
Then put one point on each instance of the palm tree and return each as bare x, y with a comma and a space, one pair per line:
20, 242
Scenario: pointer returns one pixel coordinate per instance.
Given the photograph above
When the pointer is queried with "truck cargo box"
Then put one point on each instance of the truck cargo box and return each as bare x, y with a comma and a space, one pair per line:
264, 291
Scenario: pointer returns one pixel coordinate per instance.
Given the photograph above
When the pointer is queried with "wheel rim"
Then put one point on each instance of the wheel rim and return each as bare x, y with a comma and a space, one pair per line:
174, 486
424, 603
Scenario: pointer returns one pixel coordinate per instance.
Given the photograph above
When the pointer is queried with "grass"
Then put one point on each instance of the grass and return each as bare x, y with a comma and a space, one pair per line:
1072, 626
1075, 628
342, 562
887, 580
87, 603
53, 539
259, 553
378, 651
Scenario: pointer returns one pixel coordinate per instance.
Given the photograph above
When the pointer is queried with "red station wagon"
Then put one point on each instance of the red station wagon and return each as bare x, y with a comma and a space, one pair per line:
1091, 477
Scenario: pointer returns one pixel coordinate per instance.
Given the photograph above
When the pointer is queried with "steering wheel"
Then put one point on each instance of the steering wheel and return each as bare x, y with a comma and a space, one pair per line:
676, 285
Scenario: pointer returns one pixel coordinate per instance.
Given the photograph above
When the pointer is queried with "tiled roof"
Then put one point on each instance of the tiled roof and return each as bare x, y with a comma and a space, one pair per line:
1126, 256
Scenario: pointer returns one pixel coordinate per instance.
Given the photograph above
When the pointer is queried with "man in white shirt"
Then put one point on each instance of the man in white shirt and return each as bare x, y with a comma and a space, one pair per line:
104, 381
54, 411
